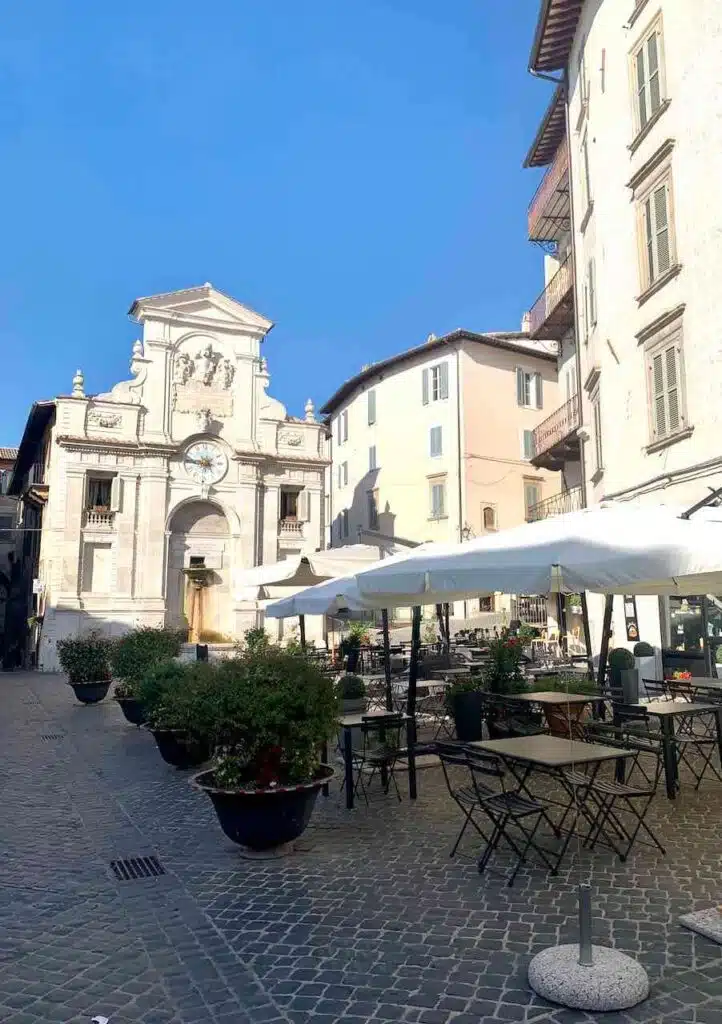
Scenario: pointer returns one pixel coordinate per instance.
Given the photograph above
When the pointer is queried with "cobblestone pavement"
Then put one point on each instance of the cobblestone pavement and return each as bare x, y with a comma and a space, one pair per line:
368, 920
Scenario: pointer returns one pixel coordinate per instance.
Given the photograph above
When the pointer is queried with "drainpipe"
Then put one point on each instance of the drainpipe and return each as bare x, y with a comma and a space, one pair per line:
458, 467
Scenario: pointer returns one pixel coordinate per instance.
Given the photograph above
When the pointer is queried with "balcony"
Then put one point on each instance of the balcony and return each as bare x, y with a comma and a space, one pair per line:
552, 314
549, 214
557, 505
99, 522
555, 439
290, 532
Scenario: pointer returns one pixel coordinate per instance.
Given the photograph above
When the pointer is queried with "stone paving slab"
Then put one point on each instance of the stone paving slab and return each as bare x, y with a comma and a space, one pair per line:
370, 920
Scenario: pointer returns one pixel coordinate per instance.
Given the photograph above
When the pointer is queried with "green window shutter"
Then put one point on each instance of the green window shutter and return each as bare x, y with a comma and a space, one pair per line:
641, 89
538, 389
425, 387
443, 380
520, 391
649, 241
672, 387
655, 93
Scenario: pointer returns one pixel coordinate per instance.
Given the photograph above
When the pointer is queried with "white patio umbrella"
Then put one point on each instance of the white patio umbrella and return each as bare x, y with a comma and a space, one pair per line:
305, 570
327, 598
609, 548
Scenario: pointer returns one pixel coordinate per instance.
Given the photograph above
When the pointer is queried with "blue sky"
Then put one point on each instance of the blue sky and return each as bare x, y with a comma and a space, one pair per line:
351, 170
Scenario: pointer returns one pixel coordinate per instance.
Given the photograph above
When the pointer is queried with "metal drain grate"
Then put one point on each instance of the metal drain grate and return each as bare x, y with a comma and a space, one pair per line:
52, 736
130, 868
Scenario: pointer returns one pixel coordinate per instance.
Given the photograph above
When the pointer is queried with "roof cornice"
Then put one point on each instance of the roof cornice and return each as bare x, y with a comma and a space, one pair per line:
554, 35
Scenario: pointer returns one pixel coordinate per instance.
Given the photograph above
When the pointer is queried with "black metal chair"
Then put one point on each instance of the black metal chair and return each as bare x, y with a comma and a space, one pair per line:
455, 766
656, 689
380, 751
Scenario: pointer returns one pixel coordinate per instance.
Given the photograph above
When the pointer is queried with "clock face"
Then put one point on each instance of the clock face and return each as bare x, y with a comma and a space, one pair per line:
205, 462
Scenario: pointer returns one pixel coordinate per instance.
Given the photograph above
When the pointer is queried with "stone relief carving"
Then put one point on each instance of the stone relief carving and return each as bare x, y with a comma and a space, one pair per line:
202, 384
105, 420
130, 391
290, 437
203, 419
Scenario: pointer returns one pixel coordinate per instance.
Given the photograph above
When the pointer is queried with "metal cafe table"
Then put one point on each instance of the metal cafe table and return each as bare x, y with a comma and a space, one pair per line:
348, 723
552, 699
667, 711
525, 756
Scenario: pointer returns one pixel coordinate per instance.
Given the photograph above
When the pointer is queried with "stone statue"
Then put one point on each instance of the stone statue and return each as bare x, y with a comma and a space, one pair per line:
227, 370
205, 364
182, 369
203, 419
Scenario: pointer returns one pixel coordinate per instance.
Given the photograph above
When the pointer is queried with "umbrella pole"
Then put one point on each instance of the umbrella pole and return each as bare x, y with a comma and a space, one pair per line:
587, 635
411, 698
606, 633
446, 625
302, 628
387, 659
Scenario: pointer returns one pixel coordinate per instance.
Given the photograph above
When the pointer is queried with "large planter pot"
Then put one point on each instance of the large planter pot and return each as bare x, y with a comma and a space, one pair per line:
90, 693
629, 678
467, 708
180, 748
265, 818
132, 709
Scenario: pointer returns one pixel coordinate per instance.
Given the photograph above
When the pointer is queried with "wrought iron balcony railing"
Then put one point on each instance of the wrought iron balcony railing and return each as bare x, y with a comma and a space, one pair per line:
553, 312
556, 505
555, 428
549, 213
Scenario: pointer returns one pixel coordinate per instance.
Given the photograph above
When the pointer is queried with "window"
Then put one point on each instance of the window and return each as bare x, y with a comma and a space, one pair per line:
582, 84
97, 568
372, 505
528, 449
435, 383
488, 517
647, 76
586, 180
103, 493
372, 458
5, 475
344, 474
591, 297
371, 407
665, 382
437, 494
486, 604
342, 431
532, 497
289, 504
344, 523
657, 244
528, 389
597, 427
571, 383
435, 442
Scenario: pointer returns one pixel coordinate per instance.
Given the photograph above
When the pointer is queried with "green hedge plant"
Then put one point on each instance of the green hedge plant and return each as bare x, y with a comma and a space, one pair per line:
85, 658
643, 650
350, 687
133, 655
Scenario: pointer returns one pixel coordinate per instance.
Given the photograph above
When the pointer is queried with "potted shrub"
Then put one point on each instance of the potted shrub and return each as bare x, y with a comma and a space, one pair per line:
502, 676
623, 675
85, 661
465, 703
645, 661
271, 713
351, 691
175, 699
350, 646
132, 656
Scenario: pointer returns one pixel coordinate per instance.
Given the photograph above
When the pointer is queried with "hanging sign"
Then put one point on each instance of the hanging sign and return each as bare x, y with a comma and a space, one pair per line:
630, 617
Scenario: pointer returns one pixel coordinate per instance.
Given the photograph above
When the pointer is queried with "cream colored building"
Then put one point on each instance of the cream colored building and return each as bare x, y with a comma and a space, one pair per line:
631, 209
434, 444
189, 465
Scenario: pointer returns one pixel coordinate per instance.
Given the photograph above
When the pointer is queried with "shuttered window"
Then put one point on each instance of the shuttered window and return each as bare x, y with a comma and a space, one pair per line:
597, 426
657, 238
373, 509
344, 523
665, 375
371, 407
528, 449
528, 389
435, 442
532, 497
586, 180
435, 383
591, 296
372, 458
438, 498
304, 506
646, 62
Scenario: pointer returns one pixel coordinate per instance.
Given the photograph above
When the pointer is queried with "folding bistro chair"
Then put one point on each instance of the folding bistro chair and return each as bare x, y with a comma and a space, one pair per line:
379, 754
505, 808
605, 799
656, 689
455, 766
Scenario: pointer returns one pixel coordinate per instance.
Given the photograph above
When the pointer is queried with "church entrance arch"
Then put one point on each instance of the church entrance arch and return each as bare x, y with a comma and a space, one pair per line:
199, 555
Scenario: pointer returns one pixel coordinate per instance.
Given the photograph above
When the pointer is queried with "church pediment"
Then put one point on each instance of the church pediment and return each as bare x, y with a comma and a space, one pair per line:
203, 306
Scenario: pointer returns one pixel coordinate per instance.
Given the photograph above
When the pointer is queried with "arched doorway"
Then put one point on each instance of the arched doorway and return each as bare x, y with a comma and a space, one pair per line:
199, 555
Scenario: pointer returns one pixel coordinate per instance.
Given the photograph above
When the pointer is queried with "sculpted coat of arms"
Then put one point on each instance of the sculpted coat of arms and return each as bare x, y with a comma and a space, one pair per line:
203, 383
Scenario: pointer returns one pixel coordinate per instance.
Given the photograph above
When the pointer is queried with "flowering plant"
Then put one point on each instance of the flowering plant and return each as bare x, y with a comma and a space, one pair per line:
503, 673
680, 673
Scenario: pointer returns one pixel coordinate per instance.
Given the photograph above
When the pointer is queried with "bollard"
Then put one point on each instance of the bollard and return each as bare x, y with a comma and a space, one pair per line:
585, 925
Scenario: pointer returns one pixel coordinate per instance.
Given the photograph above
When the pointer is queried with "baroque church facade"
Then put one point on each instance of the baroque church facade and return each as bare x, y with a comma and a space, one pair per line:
187, 473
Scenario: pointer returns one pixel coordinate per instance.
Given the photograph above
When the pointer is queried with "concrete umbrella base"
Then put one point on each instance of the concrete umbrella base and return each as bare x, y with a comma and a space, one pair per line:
612, 982
705, 922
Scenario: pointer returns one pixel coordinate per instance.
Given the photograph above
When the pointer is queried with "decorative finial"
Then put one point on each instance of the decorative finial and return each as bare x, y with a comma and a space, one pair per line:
310, 408
264, 364
137, 348
78, 385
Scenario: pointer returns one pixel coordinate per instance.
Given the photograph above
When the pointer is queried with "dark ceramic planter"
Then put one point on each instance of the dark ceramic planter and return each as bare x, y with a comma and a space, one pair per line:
467, 709
90, 693
132, 709
266, 818
179, 748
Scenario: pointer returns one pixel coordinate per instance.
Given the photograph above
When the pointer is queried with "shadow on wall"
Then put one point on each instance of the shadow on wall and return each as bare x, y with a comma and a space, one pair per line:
365, 511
